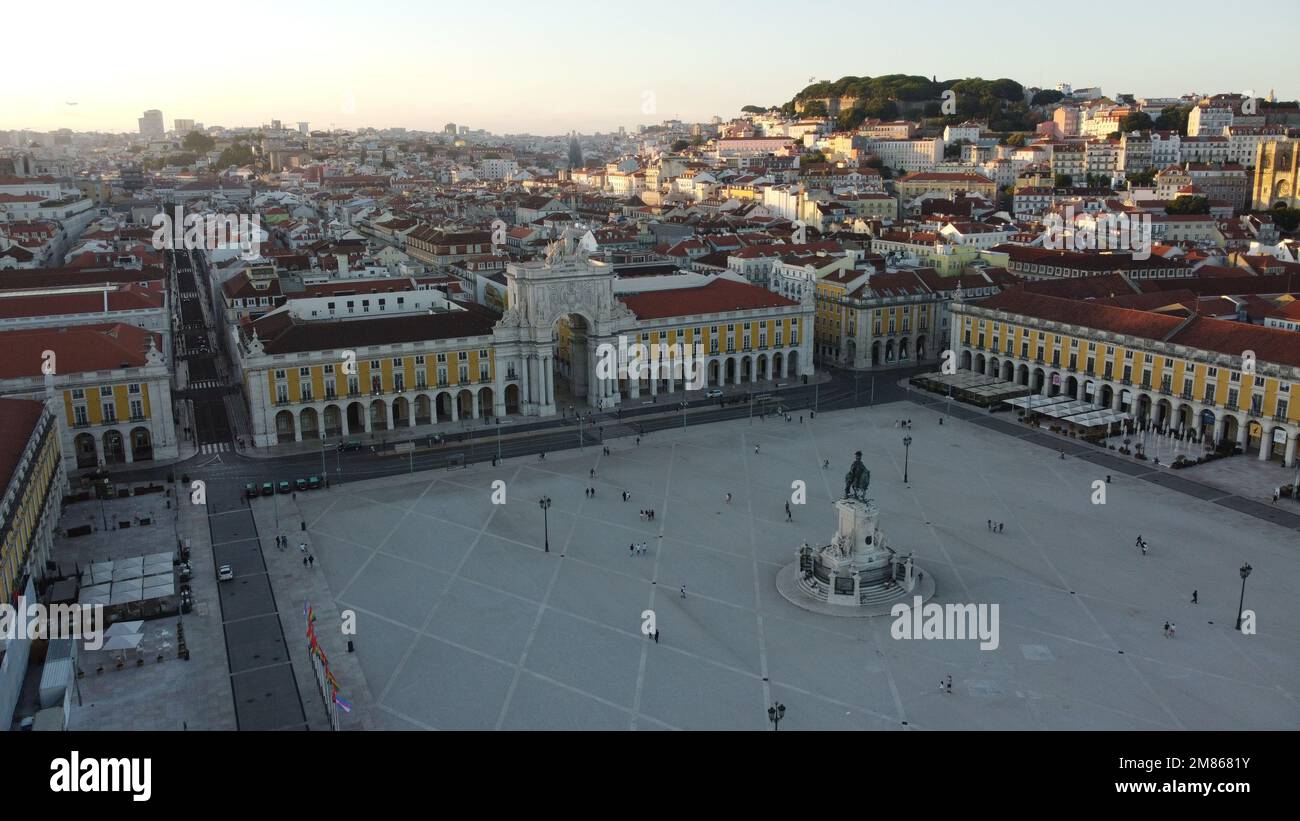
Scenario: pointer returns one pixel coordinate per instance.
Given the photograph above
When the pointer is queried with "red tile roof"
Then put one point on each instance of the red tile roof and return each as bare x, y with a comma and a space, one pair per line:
77, 348
18, 418
717, 297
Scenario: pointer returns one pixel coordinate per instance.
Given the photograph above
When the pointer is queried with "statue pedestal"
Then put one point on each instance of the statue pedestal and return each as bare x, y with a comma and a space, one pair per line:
858, 573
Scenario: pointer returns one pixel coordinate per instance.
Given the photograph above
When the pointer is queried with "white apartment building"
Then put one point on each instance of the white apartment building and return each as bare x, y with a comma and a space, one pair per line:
1166, 148
909, 156
1206, 120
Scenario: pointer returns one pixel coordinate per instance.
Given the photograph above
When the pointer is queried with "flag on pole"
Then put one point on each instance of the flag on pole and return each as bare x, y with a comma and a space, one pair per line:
342, 702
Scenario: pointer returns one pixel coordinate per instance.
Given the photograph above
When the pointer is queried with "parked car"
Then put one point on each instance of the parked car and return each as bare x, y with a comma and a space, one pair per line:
352, 444
299, 484
284, 487
268, 489
225, 573
250, 490
313, 482
713, 394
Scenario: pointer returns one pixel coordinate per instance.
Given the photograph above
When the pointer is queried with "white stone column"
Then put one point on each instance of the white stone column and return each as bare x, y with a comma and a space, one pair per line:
455, 406
1243, 435
1265, 443
1289, 459
473, 405
1220, 424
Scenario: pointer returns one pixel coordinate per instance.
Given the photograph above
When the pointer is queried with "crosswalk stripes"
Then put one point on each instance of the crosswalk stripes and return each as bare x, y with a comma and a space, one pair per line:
204, 383
214, 447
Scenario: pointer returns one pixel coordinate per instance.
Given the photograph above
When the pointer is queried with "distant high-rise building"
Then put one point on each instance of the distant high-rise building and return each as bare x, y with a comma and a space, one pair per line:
275, 125
575, 152
151, 124
449, 128
302, 127
182, 127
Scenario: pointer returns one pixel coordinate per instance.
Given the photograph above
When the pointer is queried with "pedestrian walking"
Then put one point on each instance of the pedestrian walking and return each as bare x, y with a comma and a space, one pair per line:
989, 524
940, 420
541, 456
787, 511
683, 591
304, 561
656, 635
1000, 526
302, 547
728, 498
1166, 629
631, 549
1173, 628
638, 441
756, 449
592, 474
1194, 601
311, 560
826, 463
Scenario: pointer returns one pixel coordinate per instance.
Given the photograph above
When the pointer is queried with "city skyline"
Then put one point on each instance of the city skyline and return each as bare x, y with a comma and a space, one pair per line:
554, 73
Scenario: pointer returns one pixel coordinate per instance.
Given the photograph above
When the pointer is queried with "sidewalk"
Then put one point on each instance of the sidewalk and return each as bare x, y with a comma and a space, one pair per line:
293, 585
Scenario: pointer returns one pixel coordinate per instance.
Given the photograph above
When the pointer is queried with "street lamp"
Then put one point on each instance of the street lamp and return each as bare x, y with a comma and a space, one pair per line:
907, 447
774, 714
684, 405
1245, 571
545, 504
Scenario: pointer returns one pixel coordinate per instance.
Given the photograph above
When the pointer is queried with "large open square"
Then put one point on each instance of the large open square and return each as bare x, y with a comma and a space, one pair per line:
464, 622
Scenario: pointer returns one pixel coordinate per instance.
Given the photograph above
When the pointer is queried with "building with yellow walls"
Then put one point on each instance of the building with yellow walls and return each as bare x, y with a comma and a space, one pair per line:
1231, 381
312, 374
109, 383
34, 484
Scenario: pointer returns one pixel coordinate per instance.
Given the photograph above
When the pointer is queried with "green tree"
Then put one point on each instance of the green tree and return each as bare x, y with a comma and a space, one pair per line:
680, 145
1144, 177
1287, 219
753, 109
198, 143
1046, 97
814, 108
1188, 205
1173, 118
814, 157
237, 154
1137, 121
1017, 139
1063, 181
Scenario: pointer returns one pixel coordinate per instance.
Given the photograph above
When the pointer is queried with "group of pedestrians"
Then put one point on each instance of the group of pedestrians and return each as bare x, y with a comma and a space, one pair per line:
648, 515
591, 493
995, 527
637, 548
1141, 544
903, 423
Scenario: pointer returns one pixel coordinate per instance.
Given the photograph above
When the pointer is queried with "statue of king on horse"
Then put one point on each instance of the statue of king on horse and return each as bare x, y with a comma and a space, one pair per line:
857, 480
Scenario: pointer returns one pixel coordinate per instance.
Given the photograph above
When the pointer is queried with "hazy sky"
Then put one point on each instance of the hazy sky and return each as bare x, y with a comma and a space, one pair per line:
549, 67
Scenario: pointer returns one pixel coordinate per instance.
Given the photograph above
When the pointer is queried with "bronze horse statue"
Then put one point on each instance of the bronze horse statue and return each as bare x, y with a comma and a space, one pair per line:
857, 480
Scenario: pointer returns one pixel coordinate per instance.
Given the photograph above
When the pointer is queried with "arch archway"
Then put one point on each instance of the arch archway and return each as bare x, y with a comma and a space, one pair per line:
378, 415
442, 405
114, 449
309, 423
423, 409
920, 347
512, 398
1008, 370
356, 418
574, 368
965, 360
1022, 375
141, 444
485, 401
284, 426
87, 454
401, 412
465, 404
875, 353
333, 421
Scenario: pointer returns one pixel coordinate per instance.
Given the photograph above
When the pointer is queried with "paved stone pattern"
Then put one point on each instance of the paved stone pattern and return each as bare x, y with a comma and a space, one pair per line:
465, 623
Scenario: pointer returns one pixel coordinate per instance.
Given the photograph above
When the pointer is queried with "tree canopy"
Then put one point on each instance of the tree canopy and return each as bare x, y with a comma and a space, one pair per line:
197, 142
1188, 205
